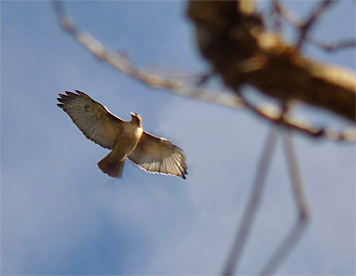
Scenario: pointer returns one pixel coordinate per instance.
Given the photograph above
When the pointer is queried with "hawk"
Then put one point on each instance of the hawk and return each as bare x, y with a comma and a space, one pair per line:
125, 139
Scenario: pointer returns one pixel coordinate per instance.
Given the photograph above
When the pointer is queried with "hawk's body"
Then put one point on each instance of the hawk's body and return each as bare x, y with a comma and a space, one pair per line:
125, 139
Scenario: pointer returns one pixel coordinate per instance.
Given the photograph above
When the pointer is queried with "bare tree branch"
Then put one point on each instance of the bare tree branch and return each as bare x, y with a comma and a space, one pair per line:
122, 64
333, 47
306, 27
303, 213
295, 22
253, 203
243, 52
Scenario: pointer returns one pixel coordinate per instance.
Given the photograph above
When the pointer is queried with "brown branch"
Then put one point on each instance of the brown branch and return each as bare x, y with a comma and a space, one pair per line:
243, 52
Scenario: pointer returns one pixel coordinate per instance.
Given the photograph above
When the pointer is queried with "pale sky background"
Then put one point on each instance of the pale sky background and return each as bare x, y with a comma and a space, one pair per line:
61, 215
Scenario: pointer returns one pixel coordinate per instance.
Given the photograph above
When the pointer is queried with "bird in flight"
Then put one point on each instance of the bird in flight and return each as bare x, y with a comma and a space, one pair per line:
125, 139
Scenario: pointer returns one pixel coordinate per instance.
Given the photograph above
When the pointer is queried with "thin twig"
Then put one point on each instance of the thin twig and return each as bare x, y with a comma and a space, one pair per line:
298, 229
306, 27
255, 200
276, 11
295, 22
333, 47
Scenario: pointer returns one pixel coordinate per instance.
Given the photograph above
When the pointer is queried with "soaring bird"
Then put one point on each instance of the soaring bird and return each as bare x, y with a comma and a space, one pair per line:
125, 139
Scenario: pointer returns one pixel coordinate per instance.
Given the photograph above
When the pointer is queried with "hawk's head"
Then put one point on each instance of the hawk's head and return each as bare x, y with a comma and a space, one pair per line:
136, 119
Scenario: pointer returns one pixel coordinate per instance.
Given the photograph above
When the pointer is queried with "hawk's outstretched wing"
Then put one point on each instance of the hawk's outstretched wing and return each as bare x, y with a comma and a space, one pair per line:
93, 119
158, 155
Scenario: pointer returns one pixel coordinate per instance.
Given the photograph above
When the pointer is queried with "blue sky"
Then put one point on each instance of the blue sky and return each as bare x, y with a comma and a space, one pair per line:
61, 215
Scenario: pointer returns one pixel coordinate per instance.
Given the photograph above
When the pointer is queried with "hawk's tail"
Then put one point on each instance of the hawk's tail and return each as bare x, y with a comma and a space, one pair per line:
112, 167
